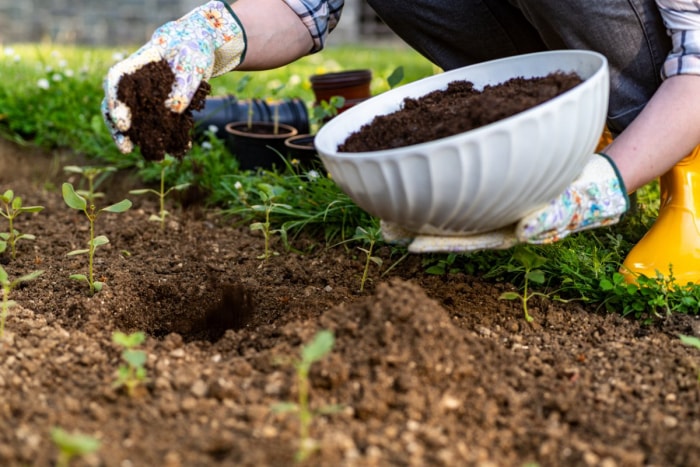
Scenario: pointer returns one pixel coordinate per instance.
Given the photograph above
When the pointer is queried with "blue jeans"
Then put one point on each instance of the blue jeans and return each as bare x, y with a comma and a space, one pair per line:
455, 33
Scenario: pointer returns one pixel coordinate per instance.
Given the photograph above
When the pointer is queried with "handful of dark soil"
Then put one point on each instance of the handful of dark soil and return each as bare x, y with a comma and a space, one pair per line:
154, 128
454, 110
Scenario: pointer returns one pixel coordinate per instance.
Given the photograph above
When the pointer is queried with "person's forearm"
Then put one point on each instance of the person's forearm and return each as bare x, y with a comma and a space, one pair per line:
664, 132
275, 34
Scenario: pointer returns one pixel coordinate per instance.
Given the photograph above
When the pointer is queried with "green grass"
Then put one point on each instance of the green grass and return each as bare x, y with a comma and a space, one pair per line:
50, 97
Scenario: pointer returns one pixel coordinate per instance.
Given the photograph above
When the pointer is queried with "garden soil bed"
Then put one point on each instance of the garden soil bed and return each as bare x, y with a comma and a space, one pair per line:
429, 370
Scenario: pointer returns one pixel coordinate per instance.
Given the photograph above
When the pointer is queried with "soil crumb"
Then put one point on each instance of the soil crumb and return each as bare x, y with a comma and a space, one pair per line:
154, 128
456, 109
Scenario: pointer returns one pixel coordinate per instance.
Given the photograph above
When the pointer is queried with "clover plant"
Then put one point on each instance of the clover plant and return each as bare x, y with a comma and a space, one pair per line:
133, 373
529, 264
80, 203
7, 285
164, 164
11, 208
319, 347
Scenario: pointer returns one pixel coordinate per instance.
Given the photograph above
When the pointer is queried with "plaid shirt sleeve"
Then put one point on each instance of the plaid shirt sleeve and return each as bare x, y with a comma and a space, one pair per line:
682, 19
319, 16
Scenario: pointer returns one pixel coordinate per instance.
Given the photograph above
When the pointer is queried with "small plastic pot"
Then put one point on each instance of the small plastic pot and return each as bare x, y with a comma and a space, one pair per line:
258, 146
301, 147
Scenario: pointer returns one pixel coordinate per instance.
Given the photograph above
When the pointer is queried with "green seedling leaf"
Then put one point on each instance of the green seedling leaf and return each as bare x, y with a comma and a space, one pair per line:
73, 199
129, 340
78, 277
3, 276
74, 444
690, 340
143, 191
77, 252
99, 241
320, 346
181, 186
395, 77
135, 358
509, 296
284, 407
29, 277
121, 206
7, 196
97, 285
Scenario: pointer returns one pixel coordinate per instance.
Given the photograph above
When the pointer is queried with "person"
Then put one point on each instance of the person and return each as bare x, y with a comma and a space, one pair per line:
653, 50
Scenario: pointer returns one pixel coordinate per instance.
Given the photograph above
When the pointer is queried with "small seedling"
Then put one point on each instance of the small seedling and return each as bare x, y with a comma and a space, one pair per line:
529, 264
692, 341
276, 104
325, 110
94, 176
267, 194
369, 237
166, 162
12, 207
133, 373
7, 287
319, 347
72, 445
80, 203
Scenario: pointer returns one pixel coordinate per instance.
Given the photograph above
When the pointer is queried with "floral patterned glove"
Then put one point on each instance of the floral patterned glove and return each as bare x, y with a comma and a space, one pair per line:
596, 198
206, 42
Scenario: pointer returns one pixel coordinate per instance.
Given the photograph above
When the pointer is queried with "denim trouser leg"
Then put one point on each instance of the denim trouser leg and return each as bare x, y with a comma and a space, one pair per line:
454, 33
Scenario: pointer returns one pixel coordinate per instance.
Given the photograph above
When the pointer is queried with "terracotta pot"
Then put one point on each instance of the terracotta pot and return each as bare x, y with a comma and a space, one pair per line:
353, 85
301, 147
258, 146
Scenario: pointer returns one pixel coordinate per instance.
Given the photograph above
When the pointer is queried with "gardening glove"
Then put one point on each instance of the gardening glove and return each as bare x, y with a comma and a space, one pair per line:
596, 198
206, 42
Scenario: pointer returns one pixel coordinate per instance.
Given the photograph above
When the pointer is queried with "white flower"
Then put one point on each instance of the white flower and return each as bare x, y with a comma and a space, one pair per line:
56, 77
206, 145
62, 63
312, 174
295, 80
69, 73
16, 58
43, 83
55, 53
238, 186
213, 129
48, 69
9, 50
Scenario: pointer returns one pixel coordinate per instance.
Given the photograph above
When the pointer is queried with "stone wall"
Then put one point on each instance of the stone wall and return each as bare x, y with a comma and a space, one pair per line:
122, 22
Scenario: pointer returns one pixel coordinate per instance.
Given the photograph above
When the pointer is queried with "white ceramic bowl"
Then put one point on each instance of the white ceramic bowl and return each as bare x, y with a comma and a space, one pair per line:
483, 179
